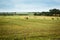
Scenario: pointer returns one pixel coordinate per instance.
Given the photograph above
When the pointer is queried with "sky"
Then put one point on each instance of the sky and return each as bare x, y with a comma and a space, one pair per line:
28, 5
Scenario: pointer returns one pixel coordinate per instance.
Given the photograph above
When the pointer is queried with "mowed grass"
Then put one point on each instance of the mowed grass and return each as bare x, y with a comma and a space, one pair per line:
34, 28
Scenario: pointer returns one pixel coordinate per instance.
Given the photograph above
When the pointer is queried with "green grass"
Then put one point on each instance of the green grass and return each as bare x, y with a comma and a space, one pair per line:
35, 28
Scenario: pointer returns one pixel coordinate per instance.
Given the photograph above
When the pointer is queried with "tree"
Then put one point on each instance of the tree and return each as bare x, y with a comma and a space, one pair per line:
54, 11
35, 13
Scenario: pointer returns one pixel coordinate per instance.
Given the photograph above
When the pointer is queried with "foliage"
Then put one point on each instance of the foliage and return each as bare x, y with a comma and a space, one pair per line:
54, 11
51, 12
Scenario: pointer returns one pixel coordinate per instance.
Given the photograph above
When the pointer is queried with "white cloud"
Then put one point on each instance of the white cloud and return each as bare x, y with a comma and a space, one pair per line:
28, 5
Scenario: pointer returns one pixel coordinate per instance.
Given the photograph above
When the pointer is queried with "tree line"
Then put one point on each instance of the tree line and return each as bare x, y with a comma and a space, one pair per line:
11, 14
51, 12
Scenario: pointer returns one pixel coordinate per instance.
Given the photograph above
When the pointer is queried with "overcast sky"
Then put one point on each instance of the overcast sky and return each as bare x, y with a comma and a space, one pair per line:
28, 5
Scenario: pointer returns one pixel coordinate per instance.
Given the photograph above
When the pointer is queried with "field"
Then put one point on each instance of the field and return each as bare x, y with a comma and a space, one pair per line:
33, 28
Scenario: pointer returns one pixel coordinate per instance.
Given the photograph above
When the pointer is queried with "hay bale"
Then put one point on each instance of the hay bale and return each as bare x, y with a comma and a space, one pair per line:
26, 18
52, 18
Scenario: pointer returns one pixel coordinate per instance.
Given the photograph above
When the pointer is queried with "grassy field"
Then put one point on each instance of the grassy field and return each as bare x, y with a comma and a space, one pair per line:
35, 28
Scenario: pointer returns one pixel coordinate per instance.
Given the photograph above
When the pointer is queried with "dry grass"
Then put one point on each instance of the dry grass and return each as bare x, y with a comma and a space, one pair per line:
35, 28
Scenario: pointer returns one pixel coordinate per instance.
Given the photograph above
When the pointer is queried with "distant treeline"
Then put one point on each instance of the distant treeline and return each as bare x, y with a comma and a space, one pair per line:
11, 13
51, 12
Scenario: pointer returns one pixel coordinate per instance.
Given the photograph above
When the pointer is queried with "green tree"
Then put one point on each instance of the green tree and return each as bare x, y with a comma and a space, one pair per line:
35, 13
54, 11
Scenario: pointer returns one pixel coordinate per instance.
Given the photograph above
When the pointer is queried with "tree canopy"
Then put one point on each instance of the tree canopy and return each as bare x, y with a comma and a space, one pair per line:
52, 12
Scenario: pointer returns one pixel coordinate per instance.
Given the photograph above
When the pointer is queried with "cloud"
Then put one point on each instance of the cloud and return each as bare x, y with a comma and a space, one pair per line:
28, 5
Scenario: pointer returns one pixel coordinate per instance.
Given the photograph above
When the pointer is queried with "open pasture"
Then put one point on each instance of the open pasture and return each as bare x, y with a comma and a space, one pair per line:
33, 28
